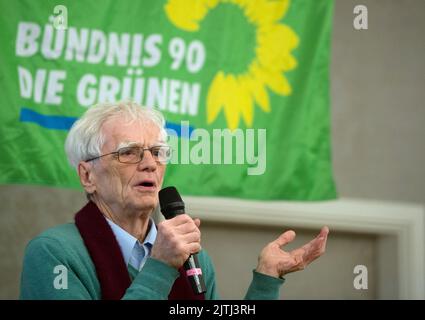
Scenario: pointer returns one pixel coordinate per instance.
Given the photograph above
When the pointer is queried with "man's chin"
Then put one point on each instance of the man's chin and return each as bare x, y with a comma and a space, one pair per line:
147, 202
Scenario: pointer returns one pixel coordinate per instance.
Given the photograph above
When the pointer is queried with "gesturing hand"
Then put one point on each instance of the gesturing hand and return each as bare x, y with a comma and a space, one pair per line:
275, 262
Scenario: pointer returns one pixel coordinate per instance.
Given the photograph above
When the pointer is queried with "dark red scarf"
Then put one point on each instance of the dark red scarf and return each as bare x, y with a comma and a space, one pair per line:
109, 262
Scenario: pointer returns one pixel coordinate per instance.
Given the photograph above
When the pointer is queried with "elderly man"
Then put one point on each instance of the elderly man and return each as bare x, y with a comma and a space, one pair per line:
114, 250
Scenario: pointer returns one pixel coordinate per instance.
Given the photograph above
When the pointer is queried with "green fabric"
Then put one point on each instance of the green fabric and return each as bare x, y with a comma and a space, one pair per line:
63, 245
220, 65
264, 287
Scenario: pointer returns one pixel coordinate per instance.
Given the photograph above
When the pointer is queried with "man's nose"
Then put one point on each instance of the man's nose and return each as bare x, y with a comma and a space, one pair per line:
148, 162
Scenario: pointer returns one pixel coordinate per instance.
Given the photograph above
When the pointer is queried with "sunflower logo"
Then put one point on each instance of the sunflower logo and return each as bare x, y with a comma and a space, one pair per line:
237, 91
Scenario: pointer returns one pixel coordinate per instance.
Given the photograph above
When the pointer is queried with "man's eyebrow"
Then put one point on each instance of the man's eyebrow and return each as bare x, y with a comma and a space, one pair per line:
126, 144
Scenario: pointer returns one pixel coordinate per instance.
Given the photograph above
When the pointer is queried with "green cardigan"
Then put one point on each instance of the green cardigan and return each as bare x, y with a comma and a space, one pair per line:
63, 246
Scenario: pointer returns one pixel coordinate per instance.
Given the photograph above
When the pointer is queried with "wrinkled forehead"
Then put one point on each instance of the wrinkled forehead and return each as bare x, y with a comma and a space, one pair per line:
118, 132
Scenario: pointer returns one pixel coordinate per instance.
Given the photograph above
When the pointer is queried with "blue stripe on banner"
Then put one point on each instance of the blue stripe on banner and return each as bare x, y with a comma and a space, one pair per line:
182, 131
49, 122
65, 123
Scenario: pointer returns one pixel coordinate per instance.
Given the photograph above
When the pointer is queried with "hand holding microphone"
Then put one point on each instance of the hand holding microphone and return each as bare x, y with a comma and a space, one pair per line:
178, 239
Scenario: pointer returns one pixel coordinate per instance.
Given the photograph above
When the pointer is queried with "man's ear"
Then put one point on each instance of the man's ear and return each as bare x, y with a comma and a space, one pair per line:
87, 177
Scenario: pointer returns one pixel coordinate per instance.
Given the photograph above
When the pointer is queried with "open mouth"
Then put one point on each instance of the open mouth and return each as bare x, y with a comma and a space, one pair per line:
146, 185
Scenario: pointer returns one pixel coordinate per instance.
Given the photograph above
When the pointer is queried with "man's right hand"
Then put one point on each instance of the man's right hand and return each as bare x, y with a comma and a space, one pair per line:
177, 238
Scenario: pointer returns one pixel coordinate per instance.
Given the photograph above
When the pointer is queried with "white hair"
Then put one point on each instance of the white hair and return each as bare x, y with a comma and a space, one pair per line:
85, 138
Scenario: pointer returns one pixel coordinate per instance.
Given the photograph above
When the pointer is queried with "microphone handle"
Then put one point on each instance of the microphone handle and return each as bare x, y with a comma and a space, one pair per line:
194, 274
191, 265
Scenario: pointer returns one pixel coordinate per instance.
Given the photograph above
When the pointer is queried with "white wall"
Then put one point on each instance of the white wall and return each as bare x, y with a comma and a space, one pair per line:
378, 101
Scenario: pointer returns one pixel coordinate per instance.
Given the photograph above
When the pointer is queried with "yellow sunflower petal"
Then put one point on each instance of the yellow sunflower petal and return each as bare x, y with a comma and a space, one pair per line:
245, 102
263, 11
186, 14
236, 95
274, 79
256, 87
231, 109
270, 33
215, 97
211, 3
243, 4
274, 44
278, 83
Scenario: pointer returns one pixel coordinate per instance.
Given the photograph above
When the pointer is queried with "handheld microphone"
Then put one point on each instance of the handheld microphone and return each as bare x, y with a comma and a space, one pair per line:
172, 205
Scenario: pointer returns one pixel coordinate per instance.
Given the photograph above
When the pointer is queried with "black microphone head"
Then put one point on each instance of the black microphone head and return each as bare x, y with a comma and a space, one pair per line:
170, 202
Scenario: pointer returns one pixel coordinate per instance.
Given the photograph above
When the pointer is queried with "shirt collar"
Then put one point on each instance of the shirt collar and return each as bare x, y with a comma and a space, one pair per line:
127, 242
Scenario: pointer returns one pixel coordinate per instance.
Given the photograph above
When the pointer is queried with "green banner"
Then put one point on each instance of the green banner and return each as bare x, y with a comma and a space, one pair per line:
243, 85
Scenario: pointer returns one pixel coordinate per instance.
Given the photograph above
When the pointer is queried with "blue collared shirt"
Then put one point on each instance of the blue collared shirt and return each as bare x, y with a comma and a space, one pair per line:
134, 252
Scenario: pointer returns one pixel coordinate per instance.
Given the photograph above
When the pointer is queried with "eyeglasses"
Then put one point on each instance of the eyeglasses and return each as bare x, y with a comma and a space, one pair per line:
133, 155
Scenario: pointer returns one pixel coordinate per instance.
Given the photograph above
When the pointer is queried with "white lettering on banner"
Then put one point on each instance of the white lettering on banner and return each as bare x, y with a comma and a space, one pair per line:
119, 45
45, 87
55, 87
176, 50
77, 44
94, 46
151, 47
40, 80
108, 89
194, 54
174, 95
157, 93
97, 47
113, 49
26, 44
52, 49
135, 52
86, 93
190, 98
170, 95
138, 94
25, 82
